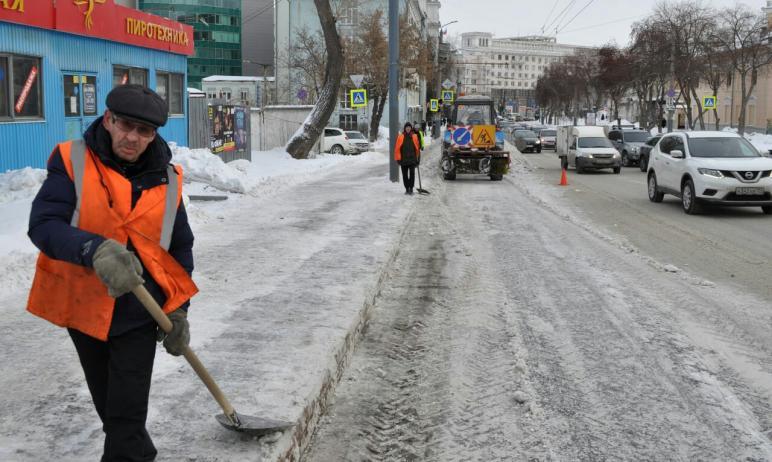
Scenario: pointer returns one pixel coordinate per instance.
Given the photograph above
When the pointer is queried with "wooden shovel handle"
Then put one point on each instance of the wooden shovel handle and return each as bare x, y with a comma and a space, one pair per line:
166, 325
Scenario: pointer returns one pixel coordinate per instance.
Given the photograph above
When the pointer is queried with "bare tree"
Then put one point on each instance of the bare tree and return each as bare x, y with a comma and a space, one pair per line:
743, 38
308, 59
303, 141
650, 58
688, 25
615, 74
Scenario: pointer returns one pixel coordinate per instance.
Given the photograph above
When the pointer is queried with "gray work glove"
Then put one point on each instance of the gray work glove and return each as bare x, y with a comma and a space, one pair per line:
118, 268
176, 340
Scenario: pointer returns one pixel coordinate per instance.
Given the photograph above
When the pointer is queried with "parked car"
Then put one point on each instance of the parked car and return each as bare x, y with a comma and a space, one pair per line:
548, 137
359, 141
527, 140
336, 141
629, 143
645, 151
710, 168
586, 148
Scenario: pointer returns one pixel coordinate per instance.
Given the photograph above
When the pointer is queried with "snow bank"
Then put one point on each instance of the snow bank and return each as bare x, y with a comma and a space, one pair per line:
20, 184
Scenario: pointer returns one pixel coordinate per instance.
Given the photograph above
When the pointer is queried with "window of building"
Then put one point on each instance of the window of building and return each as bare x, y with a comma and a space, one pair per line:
169, 87
21, 93
244, 92
348, 121
345, 101
348, 14
123, 75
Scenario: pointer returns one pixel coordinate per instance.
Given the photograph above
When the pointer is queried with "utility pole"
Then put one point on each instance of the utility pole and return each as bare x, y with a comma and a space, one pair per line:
393, 86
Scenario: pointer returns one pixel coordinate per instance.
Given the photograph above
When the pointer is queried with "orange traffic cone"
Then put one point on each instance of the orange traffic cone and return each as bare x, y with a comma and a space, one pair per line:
563, 178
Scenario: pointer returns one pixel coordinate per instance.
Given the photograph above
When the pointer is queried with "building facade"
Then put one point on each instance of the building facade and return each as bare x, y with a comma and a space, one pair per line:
59, 60
506, 69
242, 90
216, 33
257, 39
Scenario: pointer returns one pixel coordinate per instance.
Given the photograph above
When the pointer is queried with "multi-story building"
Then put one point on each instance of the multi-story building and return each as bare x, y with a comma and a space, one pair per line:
506, 68
257, 37
216, 34
299, 17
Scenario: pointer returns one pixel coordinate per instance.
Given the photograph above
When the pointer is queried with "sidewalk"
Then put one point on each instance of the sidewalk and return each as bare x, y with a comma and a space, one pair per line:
286, 277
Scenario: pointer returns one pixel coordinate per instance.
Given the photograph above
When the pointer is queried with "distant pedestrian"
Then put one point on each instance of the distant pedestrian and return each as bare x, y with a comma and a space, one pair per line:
407, 153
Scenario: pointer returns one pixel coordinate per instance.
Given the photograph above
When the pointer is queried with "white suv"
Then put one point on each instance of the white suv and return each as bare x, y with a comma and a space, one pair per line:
336, 141
710, 168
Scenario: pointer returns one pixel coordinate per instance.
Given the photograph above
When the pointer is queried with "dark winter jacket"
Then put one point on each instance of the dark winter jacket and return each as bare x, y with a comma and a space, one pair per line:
407, 152
52, 209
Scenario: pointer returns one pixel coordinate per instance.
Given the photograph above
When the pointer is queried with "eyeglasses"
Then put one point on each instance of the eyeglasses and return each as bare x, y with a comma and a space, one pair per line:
125, 126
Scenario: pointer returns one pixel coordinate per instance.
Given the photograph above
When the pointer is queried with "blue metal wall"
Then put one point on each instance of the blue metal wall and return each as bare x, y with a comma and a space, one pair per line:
29, 142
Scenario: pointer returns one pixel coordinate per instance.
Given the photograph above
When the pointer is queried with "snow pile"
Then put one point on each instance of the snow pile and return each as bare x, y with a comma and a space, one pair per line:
20, 184
201, 165
762, 142
383, 139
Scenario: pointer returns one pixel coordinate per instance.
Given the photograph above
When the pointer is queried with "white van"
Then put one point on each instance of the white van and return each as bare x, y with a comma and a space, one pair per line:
586, 148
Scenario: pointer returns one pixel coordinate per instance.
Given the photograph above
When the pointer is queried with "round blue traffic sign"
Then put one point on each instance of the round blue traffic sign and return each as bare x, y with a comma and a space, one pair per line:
462, 136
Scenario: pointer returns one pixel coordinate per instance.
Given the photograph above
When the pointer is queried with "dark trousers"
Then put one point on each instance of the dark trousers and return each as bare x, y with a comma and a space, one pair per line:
408, 176
118, 374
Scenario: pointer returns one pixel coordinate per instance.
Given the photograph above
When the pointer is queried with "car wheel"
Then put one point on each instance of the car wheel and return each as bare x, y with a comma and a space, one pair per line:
625, 159
498, 177
449, 176
337, 149
538, 150
643, 164
767, 209
654, 193
564, 163
617, 170
579, 168
689, 198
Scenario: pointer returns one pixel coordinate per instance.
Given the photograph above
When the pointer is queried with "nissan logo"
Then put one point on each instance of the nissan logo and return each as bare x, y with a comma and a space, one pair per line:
749, 175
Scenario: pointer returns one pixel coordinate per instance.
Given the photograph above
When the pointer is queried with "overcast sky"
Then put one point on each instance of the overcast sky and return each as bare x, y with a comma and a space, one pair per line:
600, 22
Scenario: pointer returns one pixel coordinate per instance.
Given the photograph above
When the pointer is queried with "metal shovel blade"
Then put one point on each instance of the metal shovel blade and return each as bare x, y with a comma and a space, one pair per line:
252, 425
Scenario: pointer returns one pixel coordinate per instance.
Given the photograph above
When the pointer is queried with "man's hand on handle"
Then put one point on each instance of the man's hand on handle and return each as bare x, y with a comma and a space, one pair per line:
176, 340
118, 268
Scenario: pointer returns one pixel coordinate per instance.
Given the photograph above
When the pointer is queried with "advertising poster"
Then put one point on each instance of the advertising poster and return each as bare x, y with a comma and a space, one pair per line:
223, 134
240, 126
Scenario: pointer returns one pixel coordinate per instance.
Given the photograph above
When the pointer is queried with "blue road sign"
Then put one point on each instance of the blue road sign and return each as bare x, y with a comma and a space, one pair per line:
709, 102
462, 136
359, 97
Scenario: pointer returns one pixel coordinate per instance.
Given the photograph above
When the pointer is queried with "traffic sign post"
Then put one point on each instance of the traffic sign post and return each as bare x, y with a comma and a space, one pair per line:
448, 96
709, 102
358, 98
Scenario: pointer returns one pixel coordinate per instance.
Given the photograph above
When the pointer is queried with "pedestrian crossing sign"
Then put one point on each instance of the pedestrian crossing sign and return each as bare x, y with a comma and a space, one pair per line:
358, 97
447, 96
434, 105
709, 102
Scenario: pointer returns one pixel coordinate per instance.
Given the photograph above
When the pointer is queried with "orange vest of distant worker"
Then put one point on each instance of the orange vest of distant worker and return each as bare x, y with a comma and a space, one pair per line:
73, 296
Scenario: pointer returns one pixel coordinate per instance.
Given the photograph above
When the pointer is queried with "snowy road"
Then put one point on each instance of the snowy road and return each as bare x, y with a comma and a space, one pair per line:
514, 330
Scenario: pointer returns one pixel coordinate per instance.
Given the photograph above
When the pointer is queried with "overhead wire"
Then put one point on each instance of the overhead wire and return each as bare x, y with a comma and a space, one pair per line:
574, 17
543, 26
260, 12
603, 23
562, 12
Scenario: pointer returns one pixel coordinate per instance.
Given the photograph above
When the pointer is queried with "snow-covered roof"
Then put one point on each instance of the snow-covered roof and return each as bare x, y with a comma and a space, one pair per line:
194, 91
711, 134
234, 78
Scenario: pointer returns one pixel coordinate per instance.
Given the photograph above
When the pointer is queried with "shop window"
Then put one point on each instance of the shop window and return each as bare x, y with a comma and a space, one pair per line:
21, 93
123, 75
80, 95
169, 87
4, 87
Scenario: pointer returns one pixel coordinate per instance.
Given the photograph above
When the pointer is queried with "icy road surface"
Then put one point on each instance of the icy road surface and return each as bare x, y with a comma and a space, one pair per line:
513, 330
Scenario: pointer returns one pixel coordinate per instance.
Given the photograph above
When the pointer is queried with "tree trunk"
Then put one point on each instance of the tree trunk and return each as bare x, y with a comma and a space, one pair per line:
700, 113
375, 121
746, 97
715, 114
304, 139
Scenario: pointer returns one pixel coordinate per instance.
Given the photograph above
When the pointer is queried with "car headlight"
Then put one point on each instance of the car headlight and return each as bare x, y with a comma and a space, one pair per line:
635, 150
617, 155
538, 141
711, 172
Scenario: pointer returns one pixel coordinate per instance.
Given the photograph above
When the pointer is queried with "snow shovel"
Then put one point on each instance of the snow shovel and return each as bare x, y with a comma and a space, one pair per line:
230, 419
420, 189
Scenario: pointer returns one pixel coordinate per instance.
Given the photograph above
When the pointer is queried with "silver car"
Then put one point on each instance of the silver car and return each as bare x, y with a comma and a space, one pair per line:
359, 141
526, 140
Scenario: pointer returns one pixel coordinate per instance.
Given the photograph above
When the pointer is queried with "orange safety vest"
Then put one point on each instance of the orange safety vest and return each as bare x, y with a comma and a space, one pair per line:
71, 295
398, 146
